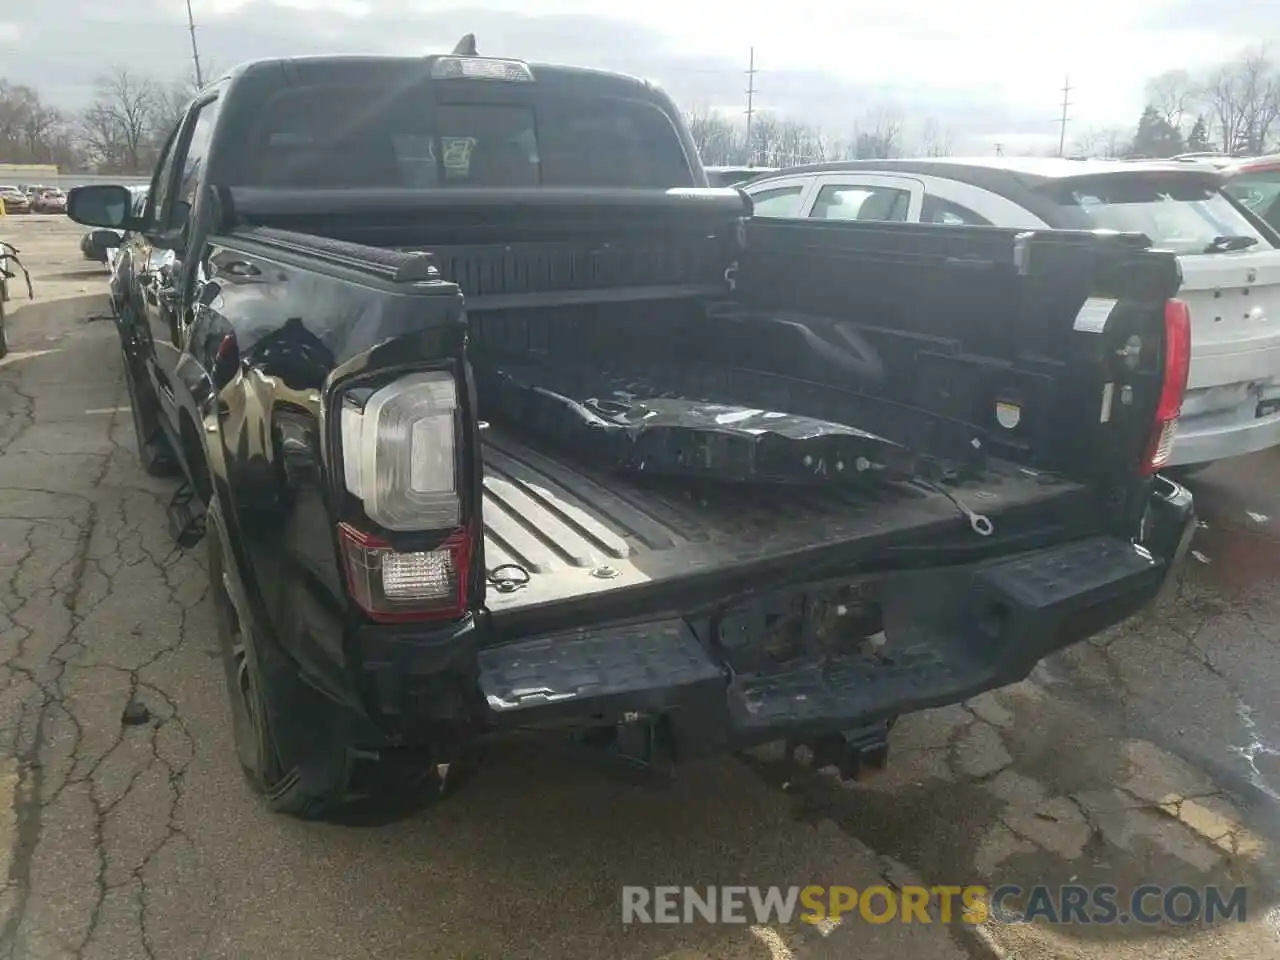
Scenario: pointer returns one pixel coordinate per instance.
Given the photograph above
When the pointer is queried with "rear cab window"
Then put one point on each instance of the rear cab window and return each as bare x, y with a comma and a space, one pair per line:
1184, 215
455, 133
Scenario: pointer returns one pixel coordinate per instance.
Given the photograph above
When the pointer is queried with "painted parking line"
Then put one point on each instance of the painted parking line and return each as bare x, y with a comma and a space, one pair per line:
16, 355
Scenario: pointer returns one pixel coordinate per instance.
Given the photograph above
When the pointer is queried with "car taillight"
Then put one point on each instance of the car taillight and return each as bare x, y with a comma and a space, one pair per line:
398, 452
1173, 384
394, 586
400, 460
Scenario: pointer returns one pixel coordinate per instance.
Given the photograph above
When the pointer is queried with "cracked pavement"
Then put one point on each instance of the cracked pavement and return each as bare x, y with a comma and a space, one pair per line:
1147, 755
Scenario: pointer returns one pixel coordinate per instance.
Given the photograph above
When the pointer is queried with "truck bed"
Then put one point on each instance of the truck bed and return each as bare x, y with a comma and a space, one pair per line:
578, 533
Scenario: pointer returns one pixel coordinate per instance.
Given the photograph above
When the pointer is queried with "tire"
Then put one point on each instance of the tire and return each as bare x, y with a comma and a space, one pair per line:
257, 750
154, 453
4, 330
335, 781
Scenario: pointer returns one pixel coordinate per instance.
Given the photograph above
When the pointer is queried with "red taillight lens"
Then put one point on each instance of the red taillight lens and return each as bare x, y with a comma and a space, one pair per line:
394, 587
1173, 385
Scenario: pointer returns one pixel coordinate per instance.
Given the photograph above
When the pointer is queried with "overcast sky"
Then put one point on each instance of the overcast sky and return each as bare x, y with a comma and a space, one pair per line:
990, 70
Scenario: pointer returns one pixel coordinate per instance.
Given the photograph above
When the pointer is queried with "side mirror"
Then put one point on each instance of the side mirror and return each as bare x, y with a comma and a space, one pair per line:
102, 205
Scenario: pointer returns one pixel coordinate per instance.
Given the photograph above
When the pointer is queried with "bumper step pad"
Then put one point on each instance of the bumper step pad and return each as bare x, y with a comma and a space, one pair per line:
839, 693
633, 668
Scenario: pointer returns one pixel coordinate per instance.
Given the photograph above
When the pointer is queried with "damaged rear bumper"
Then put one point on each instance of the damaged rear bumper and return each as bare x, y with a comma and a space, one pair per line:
949, 634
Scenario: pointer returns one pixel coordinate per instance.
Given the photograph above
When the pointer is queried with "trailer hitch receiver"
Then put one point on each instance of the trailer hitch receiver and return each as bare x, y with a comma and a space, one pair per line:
856, 754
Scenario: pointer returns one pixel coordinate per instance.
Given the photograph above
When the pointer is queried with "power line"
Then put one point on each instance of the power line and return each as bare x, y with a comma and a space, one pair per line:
195, 51
751, 99
1062, 123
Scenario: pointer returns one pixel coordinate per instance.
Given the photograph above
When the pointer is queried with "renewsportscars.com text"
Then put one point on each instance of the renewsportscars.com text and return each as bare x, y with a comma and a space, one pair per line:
973, 904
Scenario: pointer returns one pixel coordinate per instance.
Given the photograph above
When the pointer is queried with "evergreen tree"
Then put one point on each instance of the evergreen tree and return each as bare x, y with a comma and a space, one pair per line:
1198, 138
1155, 137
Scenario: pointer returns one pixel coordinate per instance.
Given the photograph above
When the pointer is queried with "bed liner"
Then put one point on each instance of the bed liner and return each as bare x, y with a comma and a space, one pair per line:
579, 533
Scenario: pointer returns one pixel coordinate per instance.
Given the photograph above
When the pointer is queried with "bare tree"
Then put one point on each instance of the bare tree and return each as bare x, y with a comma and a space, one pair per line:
168, 105
32, 131
1109, 142
719, 140
879, 136
40, 130
1264, 130
1174, 94
16, 104
120, 132
935, 140
1243, 100
1087, 141
1222, 95
762, 146
1258, 88
797, 143
117, 125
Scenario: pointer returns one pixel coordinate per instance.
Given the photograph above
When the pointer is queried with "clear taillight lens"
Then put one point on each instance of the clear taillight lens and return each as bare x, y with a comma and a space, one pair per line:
413, 585
399, 453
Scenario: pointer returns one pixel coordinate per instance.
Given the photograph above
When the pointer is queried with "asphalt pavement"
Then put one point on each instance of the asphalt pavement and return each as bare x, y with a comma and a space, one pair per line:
1150, 755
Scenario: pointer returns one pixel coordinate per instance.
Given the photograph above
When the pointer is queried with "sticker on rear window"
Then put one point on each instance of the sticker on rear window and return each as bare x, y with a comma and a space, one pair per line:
1092, 317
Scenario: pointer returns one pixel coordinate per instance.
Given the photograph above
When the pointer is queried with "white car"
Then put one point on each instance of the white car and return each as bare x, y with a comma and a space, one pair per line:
1230, 258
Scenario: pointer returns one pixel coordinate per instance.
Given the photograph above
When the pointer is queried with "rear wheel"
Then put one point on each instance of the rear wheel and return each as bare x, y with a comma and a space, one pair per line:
257, 751
336, 782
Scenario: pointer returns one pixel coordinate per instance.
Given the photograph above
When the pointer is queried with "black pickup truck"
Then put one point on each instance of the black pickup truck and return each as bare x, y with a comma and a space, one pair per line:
496, 418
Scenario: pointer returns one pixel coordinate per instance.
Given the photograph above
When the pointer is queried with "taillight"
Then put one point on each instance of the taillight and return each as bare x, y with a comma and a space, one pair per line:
400, 460
394, 586
398, 452
1173, 384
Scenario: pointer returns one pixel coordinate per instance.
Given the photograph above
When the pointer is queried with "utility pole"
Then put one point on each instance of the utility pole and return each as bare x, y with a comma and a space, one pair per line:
751, 100
195, 51
1062, 123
